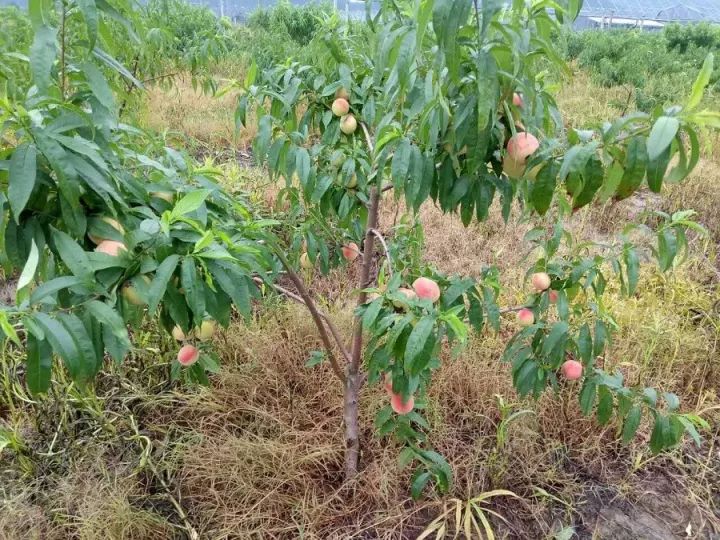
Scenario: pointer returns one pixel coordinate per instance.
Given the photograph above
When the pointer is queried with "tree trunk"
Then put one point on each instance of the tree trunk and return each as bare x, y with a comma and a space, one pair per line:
352, 382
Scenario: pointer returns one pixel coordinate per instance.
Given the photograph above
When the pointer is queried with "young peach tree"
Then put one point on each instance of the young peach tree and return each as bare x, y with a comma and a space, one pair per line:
445, 101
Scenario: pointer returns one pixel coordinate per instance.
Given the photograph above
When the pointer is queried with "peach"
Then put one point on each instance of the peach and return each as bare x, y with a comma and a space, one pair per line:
541, 281
518, 100
131, 294
340, 107
115, 224
206, 330
426, 288
525, 317
407, 293
348, 124
350, 251
572, 370
400, 406
342, 94
178, 333
553, 297
188, 355
352, 183
519, 148
111, 247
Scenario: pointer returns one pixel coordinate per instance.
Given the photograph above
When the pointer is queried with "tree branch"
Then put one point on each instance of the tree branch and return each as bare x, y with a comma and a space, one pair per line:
381, 239
324, 316
317, 318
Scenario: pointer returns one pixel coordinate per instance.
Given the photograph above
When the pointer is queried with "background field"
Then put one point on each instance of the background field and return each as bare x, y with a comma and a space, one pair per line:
259, 453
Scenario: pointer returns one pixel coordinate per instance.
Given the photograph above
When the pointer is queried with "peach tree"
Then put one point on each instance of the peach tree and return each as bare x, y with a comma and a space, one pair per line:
446, 101
102, 224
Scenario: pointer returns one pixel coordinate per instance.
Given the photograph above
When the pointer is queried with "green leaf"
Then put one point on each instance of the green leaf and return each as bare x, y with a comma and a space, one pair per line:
701, 82
87, 360
234, 285
22, 175
90, 14
636, 160
42, 56
157, 288
190, 202
605, 405
554, 343
30, 267
661, 136
54, 285
632, 422
593, 176
371, 313
690, 429
632, 263
673, 402
667, 248
401, 162
418, 485
62, 343
115, 335
39, 365
98, 84
660, 433
656, 170
194, 290
587, 396
74, 256
543, 188
316, 358
584, 343
417, 340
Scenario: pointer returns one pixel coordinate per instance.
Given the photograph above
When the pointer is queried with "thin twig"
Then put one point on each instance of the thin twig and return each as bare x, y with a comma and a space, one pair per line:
384, 245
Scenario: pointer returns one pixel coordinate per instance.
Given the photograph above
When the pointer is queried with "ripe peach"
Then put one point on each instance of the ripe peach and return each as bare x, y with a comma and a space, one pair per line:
553, 297
541, 281
426, 288
111, 247
206, 330
572, 370
400, 406
525, 317
519, 148
348, 124
340, 107
115, 224
518, 100
188, 355
350, 251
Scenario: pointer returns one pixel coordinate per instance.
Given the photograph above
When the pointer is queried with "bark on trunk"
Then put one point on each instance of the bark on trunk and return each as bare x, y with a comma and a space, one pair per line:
352, 382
